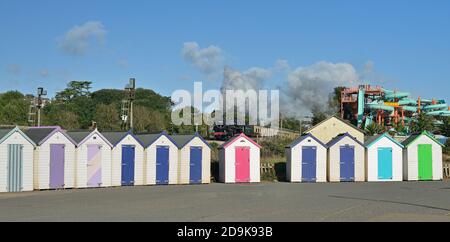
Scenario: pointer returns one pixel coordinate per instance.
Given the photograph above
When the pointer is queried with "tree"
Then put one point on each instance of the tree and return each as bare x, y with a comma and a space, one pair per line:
74, 89
374, 129
318, 114
13, 108
423, 123
107, 117
334, 100
445, 127
68, 120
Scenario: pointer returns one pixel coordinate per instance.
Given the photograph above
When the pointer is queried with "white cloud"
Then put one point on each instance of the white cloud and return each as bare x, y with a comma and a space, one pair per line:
281, 65
309, 86
252, 78
123, 63
207, 60
77, 40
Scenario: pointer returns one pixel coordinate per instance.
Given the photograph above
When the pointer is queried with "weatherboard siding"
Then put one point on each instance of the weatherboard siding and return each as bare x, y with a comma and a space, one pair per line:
28, 153
42, 162
294, 163
185, 155
116, 162
372, 160
81, 162
151, 161
411, 162
334, 160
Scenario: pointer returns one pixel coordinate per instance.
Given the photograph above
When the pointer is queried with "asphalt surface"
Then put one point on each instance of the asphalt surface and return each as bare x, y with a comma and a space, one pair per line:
398, 201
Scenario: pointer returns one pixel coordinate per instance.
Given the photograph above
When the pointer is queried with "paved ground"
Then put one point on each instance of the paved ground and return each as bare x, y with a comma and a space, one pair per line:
404, 201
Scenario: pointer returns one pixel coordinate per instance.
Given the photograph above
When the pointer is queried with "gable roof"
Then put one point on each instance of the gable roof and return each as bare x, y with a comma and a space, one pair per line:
414, 137
82, 136
6, 133
236, 137
41, 134
116, 137
303, 137
182, 140
370, 140
149, 139
341, 136
340, 119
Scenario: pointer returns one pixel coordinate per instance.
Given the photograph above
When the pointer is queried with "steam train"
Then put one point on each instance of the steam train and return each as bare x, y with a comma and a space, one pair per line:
225, 132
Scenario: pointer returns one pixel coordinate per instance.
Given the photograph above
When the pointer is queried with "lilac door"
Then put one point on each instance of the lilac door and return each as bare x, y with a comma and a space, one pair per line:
94, 166
57, 166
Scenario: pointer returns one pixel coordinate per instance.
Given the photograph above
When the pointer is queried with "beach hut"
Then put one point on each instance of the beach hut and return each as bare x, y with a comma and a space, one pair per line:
93, 159
384, 158
422, 158
306, 160
345, 159
331, 127
161, 159
127, 162
195, 159
16, 161
239, 160
54, 158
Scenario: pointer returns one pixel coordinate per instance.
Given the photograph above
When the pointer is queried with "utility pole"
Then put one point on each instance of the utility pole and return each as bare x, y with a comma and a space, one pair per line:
40, 93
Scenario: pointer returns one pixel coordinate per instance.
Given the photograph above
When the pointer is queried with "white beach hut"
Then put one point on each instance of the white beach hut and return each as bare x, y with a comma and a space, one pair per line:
16, 161
54, 158
306, 160
384, 158
239, 160
345, 159
93, 159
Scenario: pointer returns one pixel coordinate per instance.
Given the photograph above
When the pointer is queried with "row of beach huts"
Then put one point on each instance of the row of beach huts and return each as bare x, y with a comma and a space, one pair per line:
40, 158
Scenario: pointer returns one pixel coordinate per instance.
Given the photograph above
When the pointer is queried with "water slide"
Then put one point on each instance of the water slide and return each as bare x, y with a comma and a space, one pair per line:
361, 93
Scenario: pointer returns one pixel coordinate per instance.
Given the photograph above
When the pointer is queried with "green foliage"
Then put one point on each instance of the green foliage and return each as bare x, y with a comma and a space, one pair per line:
107, 117
13, 108
74, 89
374, 129
147, 120
445, 127
400, 128
318, 114
447, 147
274, 146
423, 123
334, 100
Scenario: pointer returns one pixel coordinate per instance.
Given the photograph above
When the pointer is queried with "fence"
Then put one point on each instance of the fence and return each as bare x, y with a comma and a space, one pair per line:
446, 167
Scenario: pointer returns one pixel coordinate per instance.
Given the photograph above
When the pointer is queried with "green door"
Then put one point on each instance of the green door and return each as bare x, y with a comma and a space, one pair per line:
425, 162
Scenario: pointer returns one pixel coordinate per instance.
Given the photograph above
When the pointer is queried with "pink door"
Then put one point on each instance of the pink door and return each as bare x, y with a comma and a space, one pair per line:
242, 164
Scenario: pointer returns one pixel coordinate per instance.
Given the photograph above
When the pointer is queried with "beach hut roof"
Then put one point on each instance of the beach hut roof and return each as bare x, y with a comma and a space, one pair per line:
5, 133
232, 140
370, 140
115, 137
40, 134
81, 136
149, 139
413, 138
341, 136
182, 140
303, 137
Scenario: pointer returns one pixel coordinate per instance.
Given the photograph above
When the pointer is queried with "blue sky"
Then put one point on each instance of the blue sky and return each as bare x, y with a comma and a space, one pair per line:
166, 45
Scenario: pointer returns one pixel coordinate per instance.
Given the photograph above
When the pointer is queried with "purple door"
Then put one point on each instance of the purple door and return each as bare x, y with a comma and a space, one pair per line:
94, 166
56, 166
347, 163
309, 157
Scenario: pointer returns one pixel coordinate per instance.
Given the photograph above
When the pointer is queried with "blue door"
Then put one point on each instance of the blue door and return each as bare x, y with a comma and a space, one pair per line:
347, 163
128, 154
162, 164
309, 164
195, 168
385, 163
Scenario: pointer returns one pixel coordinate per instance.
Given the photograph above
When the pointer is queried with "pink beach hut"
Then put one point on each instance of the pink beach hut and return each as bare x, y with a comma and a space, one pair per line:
239, 160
